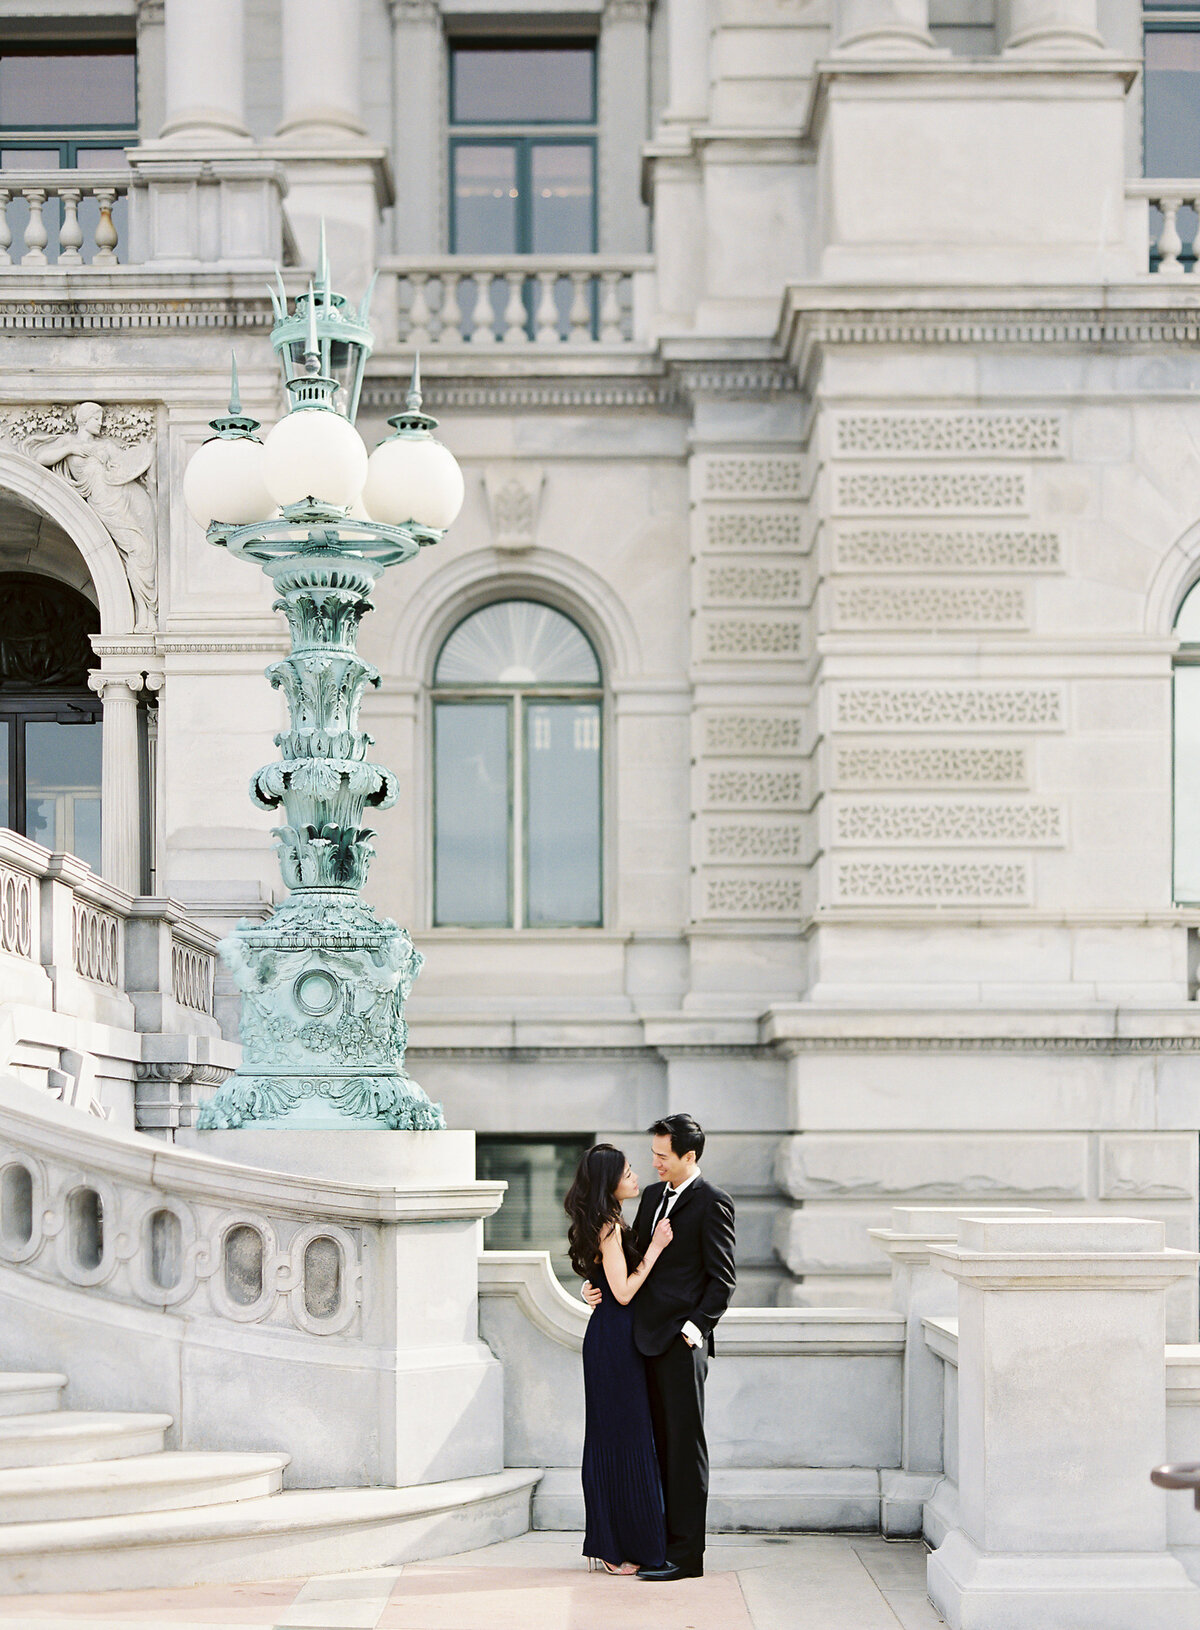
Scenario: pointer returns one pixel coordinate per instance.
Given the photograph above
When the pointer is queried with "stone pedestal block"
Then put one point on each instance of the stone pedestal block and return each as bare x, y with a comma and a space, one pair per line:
1062, 1413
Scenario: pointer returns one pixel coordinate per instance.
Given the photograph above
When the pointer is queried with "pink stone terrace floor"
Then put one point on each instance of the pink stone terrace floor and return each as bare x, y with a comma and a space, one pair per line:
539, 1582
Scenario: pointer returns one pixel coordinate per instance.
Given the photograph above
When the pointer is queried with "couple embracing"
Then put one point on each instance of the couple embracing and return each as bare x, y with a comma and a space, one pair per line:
656, 1291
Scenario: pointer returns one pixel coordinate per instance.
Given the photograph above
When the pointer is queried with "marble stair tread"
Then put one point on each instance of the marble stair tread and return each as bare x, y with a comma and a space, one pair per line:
67, 1436
172, 1480
30, 1392
271, 1537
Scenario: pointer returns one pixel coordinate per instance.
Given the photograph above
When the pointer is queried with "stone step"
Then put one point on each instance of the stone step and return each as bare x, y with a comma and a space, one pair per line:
174, 1480
30, 1392
65, 1437
277, 1536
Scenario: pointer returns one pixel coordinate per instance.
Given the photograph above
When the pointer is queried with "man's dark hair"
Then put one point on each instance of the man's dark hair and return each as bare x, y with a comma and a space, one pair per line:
684, 1132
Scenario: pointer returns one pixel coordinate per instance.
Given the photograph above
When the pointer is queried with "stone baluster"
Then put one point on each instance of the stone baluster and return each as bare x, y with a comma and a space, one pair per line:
483, 330
547, 309
451, 313
321, 97
1061, 1416
106, 232
581, 306
120, 796
513, 325
205, 72
70, 233
418, 311
1051, 27
610, 308
888, 27
36, 235
1169, 241
5, 228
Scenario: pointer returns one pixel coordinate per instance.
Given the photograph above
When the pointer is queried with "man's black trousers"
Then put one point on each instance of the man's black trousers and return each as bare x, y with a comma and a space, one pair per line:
676, 1380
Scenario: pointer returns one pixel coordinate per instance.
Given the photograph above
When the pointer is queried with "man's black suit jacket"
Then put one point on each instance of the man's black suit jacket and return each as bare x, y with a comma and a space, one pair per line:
694, 1277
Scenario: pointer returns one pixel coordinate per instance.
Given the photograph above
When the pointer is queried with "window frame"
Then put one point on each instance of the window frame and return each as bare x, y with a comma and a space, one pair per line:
524, 145
70, 134
20, 707
514, 697
499, 43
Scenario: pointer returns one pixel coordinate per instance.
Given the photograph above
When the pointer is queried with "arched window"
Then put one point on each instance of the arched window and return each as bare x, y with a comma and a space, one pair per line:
49, 719
517, 779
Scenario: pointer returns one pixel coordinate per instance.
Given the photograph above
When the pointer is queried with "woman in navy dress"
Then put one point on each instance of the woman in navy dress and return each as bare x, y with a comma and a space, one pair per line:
622, 1486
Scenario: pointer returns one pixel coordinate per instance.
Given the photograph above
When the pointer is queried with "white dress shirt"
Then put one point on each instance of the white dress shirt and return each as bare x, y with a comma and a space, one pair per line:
689, 1332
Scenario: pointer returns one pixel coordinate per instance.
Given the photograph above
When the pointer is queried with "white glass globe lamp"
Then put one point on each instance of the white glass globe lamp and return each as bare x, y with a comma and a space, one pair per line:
410, 476
224, 478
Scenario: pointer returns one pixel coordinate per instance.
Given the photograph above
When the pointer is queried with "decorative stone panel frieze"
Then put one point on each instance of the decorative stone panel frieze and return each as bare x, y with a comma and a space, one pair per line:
870, 765
755, 475
968, 549
16, 912
949, 707
192, 974
942, 435
931, 823
776, 896
756, 789
766, 530
923, 492
96, 935
887, 605
940, 882
741, 735
756, 585
728, 638
733, 841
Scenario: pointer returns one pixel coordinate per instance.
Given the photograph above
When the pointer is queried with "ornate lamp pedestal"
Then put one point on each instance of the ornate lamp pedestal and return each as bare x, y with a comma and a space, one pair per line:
324, 981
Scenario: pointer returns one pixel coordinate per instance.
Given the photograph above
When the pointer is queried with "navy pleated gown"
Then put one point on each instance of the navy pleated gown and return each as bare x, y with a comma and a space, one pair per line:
622, 1487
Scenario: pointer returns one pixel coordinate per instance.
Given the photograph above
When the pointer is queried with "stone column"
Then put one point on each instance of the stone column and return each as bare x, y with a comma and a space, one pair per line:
205, 72
151, 67
883, 27
920, 1290
417, 141
120, 798
624, 108
1062, 1415
1051, 27
688, 30
321, 54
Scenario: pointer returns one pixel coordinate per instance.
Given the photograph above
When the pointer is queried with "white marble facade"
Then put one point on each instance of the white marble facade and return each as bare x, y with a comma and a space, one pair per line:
873, 475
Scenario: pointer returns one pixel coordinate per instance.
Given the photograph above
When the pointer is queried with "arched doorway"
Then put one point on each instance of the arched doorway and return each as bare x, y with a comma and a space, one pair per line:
50, 729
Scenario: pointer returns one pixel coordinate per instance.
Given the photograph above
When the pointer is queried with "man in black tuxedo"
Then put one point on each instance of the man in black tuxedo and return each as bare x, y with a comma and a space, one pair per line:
674, 1314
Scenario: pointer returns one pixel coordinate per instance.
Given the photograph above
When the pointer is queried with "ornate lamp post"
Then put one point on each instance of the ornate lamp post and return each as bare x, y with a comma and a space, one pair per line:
324, 980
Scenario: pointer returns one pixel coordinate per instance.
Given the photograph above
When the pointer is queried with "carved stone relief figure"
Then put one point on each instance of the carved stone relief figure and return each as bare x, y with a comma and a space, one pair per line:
107, 456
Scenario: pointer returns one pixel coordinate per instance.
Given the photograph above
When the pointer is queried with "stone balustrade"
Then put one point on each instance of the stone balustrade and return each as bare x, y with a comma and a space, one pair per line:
1162, 213
514, 300
66, 218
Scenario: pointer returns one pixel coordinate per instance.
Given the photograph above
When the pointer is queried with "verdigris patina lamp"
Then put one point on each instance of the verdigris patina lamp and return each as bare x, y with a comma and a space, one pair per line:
324, 980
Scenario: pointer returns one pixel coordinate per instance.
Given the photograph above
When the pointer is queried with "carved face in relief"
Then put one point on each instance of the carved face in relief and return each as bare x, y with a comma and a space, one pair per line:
89, 416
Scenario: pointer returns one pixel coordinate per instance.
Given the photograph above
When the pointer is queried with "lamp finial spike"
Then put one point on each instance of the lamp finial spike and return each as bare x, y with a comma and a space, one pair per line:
414, 385
312, 346
323, 265
235, 399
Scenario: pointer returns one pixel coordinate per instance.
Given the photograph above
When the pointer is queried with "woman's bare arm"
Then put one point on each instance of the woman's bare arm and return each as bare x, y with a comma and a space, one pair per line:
623, 1284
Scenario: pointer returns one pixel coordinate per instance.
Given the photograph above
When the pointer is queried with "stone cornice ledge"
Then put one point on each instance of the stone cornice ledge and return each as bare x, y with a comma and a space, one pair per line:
749, 1332
800, 1028
1065, 1270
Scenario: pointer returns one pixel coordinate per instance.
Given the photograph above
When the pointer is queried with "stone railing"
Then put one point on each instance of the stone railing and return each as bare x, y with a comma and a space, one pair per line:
61, 217
515, 300
1167, 217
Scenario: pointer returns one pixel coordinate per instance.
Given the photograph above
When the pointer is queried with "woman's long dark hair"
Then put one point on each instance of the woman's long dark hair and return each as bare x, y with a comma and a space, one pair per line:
592, 1204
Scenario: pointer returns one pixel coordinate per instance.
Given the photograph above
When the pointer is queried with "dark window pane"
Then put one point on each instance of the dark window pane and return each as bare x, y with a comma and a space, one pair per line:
96, 88
562, 745
99, 158
486, 200
562, 188
62, 782
545, 85
1172, 100
538, 1174
471, 832
30, 158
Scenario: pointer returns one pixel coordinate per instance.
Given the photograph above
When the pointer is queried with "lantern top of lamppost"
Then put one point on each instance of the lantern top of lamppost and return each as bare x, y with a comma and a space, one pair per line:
344, 337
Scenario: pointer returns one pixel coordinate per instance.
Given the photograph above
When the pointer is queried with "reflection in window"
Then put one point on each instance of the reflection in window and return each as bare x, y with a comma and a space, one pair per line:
49, 720
517, 772
538, 1173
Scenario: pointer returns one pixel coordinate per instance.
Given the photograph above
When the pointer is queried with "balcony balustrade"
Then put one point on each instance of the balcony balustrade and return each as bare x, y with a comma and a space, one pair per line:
1168, 220
62, 217
514, 300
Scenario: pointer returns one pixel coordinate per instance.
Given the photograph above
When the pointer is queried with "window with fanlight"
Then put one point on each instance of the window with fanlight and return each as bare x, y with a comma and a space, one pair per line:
517, 772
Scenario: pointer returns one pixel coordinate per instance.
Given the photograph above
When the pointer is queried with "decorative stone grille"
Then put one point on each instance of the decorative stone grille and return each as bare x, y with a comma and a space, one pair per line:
943, 882
740, 734
750, 529
753, 637
16, 912
755, 897
924, 491
755, 789
884, 605
981, 435
950, 707
97, 941
734, 841
856, 765
975, 822
763, 585
899, 549
192, 973
754, 476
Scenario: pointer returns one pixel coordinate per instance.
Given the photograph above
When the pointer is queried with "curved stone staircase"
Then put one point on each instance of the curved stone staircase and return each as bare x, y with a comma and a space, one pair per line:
91, 1500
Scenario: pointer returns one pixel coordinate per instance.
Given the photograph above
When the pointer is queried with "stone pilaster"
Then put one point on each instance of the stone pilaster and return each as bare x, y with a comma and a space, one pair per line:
624, 96
120, 794
419, 140
205, 72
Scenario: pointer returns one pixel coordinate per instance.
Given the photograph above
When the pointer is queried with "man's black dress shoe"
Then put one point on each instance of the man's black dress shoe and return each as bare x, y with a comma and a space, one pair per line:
669, 1570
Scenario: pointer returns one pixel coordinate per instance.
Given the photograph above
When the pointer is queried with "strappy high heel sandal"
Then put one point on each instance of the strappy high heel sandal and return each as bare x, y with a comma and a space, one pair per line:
596, 1563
